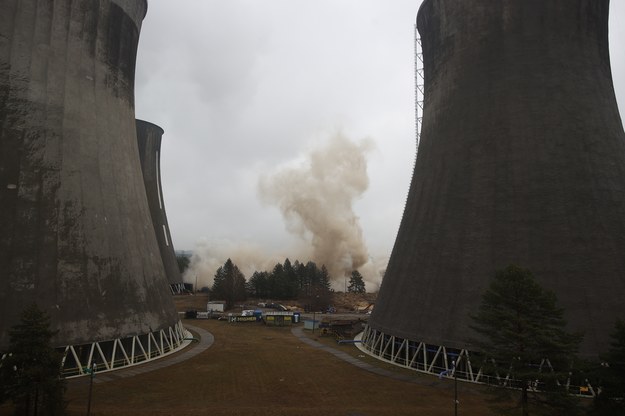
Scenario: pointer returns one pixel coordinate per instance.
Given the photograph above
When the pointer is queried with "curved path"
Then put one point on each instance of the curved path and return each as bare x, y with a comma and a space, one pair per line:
206, 339
426, 381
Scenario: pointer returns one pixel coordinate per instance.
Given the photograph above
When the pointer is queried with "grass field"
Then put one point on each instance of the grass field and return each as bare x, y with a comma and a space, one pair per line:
254, 370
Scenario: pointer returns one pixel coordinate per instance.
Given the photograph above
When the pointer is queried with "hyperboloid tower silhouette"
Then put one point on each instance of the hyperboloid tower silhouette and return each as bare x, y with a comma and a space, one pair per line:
75, 231
149, 138
521, 161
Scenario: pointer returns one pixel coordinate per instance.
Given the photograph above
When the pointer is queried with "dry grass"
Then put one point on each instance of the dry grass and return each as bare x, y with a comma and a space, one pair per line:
254, 370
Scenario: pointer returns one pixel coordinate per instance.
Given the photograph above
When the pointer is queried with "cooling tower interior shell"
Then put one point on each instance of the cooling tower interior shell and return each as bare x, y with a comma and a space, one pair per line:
521, 161
149, 138
75, 230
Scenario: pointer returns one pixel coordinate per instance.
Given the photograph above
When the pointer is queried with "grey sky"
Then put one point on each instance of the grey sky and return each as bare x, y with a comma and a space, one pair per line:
242, 87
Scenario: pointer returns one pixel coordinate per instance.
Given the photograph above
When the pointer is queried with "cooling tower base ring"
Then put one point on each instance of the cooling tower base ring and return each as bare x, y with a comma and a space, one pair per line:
176, 288
438, 360
121, 353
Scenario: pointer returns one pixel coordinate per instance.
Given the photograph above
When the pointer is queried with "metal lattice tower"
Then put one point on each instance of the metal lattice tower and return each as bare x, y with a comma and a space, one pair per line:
419, 86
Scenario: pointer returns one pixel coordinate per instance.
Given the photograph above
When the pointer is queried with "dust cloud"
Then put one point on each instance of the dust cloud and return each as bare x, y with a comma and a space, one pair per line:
315, 195
316, 199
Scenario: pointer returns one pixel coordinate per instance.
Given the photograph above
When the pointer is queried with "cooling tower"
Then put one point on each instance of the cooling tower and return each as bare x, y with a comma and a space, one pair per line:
521, 161
149, 137
75, 231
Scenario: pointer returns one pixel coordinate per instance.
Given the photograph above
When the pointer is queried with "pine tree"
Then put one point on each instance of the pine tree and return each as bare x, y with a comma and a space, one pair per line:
308, 276
229, 284
258, 285
218, 290
520, 326
30, 375
290, 279
238, 286
356, 283
610, 376
324, 279
276, 281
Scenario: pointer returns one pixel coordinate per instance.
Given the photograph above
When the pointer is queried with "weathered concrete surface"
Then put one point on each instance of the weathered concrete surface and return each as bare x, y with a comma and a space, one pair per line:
149, 137
75, 229
521, 160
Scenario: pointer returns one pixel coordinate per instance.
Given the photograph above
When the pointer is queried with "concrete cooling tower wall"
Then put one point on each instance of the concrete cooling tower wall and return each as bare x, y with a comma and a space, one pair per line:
149, 137
75, 231
521, 161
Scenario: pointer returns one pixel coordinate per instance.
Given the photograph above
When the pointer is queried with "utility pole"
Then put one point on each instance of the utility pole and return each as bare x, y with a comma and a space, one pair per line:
455, 389
91, 371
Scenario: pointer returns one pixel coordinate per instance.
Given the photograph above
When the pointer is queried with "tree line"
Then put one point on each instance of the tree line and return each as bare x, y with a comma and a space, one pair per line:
304, 281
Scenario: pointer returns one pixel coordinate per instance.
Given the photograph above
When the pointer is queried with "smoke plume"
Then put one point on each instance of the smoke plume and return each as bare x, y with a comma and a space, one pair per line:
316, 200
315, 195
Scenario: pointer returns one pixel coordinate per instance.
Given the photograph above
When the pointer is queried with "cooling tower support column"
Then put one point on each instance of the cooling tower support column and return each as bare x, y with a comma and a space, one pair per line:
75, 231
149, 137
521, 161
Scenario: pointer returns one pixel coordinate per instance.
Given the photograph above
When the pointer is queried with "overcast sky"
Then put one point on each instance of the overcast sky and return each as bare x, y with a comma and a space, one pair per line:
246, 88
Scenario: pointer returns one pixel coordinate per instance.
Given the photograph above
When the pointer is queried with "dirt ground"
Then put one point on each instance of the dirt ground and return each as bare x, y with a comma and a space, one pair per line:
255, 370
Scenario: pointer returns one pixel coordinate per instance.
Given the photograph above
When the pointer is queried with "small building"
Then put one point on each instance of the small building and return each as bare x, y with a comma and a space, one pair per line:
280, 318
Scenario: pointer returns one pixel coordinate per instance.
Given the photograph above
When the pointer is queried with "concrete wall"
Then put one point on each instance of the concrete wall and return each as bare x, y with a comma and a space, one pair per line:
75, 229
521, 160
149, 137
